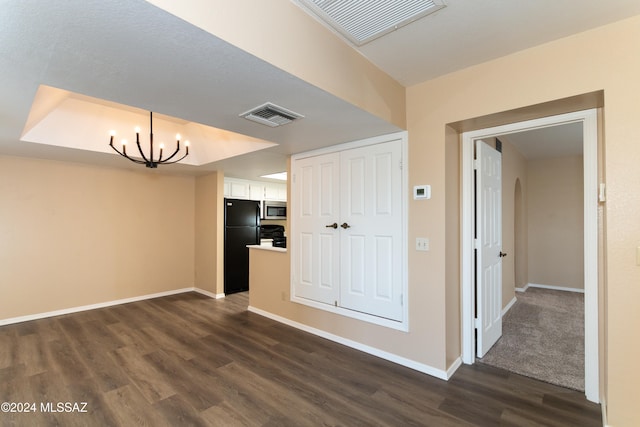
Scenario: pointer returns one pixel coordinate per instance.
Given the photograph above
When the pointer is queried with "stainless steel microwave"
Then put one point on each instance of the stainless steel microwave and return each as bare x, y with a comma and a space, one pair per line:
274, 209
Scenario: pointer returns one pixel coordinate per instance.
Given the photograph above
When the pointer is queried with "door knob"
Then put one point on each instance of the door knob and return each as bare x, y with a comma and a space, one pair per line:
334, 225
502, 254
345, 225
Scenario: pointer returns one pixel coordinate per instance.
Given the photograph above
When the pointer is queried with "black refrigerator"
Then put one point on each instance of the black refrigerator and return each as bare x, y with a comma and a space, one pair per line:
241, 228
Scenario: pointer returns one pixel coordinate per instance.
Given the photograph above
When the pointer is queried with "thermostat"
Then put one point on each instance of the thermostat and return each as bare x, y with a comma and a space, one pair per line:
421, 192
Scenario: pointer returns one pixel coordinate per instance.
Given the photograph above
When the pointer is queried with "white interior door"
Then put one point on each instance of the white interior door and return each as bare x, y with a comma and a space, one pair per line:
316, 208
489, 247
371, 230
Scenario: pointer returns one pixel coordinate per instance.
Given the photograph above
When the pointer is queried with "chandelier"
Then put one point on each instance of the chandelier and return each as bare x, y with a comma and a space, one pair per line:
149, 161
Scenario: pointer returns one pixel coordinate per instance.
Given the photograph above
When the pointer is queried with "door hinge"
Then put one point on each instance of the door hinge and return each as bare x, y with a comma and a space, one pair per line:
335, 303
475, 164
602, 193
475, 243
476, 323
400, 164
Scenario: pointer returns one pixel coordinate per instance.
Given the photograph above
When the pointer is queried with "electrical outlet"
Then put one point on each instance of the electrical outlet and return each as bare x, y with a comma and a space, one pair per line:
422, 244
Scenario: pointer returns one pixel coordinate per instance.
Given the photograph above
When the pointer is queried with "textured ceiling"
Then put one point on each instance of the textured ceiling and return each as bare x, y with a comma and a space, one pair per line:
133, 53
469, 32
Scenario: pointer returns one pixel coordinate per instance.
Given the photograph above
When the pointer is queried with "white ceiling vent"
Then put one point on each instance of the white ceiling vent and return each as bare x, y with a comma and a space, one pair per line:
271, 115
362, 21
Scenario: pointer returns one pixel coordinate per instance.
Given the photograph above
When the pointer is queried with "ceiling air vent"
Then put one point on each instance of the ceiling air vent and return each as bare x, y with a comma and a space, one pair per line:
271, 115
362, 21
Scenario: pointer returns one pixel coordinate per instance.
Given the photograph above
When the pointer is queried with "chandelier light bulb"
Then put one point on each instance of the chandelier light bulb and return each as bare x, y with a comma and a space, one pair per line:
178, 137
137, 129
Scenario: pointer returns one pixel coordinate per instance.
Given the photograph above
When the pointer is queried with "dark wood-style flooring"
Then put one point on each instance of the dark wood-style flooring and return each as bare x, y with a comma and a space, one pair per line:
190, 360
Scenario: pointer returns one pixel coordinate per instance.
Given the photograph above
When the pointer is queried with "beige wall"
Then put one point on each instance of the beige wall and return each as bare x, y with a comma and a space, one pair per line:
550, 79
556, 222
269, 279
514, 170
304, 48
74, 235
209, 233
607, 59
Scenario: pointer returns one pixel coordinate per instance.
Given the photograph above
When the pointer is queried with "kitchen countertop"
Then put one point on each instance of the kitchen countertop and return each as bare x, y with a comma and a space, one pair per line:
267, 248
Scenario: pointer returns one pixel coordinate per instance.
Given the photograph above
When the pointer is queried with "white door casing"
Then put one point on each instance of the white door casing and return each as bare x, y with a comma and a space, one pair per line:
371, 230
589, 120
488, 247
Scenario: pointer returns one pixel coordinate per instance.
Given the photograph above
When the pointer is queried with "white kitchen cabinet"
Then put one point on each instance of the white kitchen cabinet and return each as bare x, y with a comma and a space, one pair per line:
235, 188
348, 240
275, 191
256, 191
238, 189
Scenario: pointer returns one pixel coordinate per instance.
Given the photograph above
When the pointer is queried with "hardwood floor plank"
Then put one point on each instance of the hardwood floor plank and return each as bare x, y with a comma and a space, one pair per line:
273, 399
32, 354
191, 360
309, 384
422, 414
234, 395
49, 389
48, 330
10, 375
130, 408
104, 370
142, 375
171, 320
64, 359
98, 333
196, 391
159, 339
8, 347
131, 337
223, 415
178, 412
91, 398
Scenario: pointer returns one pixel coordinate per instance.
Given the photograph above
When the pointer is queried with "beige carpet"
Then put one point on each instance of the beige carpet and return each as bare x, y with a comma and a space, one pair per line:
543, 338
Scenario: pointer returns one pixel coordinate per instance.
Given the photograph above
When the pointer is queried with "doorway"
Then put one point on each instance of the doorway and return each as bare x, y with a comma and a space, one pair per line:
588, 119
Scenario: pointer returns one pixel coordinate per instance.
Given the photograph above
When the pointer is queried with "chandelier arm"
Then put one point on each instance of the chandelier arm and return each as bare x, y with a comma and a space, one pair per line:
141, 152
175, 161
171, 156
125, 155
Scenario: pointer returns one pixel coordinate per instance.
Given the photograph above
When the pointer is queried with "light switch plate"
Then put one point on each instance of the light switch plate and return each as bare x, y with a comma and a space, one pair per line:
422, 244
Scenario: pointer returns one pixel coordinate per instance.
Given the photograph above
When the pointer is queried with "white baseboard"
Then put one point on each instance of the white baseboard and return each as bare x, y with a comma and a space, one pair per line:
603, 407
552, 287
509, 305
421, 367
70, 310
453, 368
207, 293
